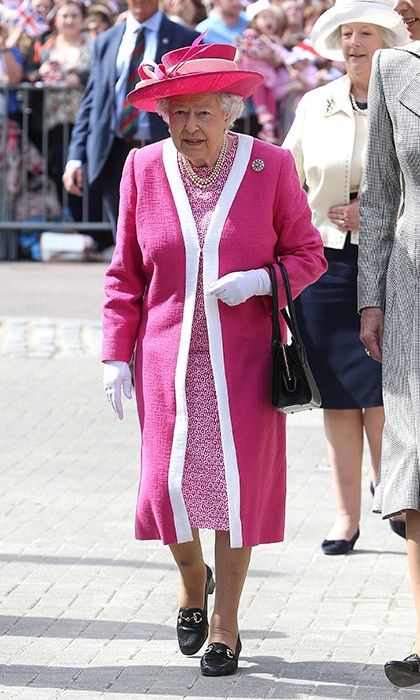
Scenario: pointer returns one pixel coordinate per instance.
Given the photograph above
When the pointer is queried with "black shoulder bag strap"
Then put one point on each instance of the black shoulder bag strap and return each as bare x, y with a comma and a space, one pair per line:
275, 335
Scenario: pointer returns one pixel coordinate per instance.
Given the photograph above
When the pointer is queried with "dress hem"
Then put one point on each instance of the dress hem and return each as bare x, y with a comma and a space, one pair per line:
170, 541
401, 511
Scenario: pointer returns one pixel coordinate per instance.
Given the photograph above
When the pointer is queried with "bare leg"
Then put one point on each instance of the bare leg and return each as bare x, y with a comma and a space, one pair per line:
344, 433
190, 562
231, 570
413, 551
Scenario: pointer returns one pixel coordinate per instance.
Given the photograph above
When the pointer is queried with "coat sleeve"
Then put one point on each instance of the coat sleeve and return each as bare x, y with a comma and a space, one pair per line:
299, 244
380, 196
77, 146
125, 281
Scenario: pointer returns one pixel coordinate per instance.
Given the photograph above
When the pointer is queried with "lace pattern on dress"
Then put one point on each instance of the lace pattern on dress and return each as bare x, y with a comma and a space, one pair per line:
204, 481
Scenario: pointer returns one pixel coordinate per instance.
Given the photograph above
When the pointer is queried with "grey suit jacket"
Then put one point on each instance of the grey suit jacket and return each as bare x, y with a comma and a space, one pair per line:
391, 186
389, 264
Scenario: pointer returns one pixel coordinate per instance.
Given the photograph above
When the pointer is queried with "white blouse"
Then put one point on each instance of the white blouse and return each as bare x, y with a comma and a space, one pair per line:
328, 142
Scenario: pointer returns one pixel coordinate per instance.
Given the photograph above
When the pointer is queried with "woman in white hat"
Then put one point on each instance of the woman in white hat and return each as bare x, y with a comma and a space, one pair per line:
328, 140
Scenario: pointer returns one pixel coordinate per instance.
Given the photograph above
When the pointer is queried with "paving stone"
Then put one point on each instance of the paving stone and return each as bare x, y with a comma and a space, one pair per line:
49, 338
87, 613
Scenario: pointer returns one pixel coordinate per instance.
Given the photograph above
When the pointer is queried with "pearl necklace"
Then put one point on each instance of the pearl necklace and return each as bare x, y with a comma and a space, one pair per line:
356, 107
204, 182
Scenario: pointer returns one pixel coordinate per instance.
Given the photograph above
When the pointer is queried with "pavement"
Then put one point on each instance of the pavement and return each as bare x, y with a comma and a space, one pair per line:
86, 612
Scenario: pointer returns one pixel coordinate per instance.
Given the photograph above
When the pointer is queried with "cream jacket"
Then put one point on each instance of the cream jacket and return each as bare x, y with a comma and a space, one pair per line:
321, 140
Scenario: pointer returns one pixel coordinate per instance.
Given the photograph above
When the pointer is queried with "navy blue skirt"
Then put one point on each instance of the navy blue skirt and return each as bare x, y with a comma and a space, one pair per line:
330, 325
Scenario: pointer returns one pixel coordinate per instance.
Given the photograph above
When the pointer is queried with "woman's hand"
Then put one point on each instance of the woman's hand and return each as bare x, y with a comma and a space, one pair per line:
116, 375
346, 216
72, 80
50, 72
372, 331
265, 50
236, 287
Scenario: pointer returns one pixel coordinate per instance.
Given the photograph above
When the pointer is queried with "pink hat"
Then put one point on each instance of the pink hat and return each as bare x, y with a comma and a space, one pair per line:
191, 70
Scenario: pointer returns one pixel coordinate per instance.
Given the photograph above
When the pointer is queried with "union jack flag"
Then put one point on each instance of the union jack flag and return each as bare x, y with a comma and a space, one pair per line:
30, 21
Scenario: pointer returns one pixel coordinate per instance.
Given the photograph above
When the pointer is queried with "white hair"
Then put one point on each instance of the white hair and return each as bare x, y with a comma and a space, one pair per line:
231, 105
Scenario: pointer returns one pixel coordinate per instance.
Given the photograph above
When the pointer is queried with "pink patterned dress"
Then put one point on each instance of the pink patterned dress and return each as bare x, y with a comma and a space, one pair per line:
204, 480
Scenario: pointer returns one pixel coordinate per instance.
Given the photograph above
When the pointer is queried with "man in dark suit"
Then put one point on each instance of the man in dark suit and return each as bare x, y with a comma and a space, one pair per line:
99, 138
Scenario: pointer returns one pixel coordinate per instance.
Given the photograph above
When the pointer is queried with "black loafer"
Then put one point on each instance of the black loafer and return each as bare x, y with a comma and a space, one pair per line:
404, 673
339, 546
192, 626
220, 660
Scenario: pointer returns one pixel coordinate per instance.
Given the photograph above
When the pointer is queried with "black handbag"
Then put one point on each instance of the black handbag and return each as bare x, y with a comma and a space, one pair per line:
293, 387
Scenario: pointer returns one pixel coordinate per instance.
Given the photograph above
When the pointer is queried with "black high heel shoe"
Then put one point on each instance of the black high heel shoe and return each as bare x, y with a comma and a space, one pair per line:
220, 660
398, 526
404, 673
340, 546
192, 626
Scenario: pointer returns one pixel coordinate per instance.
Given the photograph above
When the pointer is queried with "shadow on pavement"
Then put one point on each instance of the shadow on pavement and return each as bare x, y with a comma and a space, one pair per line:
268, 676
393, 552
78, 628
105, 561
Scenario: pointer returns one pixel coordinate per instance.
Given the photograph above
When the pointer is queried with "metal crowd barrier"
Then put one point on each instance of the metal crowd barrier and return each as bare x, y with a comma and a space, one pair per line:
29, 199
26, 187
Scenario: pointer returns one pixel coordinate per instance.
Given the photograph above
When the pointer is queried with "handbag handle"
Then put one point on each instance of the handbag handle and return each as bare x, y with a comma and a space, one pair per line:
275, 335
290, 317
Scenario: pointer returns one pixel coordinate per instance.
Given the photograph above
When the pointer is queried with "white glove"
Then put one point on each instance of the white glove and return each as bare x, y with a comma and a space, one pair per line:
237, 287
117, 374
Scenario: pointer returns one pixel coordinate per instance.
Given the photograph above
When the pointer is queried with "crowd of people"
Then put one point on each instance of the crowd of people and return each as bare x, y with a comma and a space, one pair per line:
57, 47
52, 45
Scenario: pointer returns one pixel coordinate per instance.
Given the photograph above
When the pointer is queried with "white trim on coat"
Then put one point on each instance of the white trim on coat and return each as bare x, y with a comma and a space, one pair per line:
210, 274
192, 257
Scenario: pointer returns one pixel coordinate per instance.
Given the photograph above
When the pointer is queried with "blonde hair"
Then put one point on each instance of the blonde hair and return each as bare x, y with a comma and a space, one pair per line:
278, 13
387, 35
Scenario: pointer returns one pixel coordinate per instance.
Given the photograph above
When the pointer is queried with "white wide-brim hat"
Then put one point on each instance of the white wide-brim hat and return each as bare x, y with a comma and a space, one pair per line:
325, 33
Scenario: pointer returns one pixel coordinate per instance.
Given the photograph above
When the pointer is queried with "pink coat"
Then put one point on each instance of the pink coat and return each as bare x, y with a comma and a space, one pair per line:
150, 296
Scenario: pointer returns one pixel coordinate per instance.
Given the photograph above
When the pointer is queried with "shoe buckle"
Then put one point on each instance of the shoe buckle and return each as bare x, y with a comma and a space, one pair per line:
229, 653
197, 617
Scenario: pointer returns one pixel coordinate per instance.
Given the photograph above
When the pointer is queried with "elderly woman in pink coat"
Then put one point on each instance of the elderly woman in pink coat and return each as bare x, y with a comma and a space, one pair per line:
201, 216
